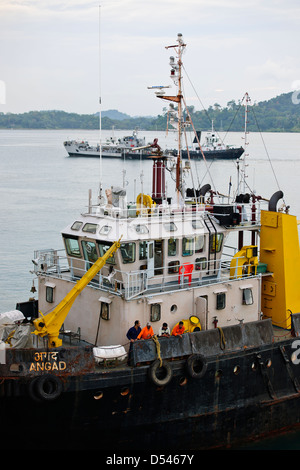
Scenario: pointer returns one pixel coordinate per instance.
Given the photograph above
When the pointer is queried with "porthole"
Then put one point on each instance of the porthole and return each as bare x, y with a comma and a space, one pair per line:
236, 370
98, 395
254, 366
173, 309
218, 373
268, 363
182, 381
124, 391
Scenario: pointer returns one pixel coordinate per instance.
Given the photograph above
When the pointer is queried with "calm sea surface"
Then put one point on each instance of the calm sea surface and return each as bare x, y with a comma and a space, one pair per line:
42, 190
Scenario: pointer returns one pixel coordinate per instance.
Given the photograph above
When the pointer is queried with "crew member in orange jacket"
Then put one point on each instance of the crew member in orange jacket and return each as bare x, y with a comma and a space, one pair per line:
147, 332
178, 330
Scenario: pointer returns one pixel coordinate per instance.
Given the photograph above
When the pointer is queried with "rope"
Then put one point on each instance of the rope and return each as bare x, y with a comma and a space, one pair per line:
157, 349
222, 338
274, 174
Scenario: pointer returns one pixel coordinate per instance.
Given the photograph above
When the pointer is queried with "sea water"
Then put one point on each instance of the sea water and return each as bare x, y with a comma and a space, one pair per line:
42, 189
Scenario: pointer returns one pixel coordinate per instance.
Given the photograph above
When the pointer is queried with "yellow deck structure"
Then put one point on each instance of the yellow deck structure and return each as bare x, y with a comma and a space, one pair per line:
279, 249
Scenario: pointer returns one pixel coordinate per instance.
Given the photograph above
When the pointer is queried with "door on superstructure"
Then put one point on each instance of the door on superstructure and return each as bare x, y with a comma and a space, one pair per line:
201, 311
158, 257
150, 259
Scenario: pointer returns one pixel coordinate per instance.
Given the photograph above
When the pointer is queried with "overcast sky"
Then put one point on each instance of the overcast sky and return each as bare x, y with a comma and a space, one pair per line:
50, 52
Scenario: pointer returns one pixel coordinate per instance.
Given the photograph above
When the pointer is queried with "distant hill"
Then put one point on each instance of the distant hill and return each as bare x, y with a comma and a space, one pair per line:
279, 114
114, 114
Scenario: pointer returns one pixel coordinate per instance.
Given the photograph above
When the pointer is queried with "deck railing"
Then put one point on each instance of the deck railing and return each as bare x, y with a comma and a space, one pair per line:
131, 284
249, 213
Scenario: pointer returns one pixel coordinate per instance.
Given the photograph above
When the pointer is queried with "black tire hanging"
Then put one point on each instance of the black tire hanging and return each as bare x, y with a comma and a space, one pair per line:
196, 366
49, 387
32, 390
160, 374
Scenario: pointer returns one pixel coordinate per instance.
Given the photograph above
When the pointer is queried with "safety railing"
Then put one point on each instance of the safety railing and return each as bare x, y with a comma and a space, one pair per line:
131, 284
247, 213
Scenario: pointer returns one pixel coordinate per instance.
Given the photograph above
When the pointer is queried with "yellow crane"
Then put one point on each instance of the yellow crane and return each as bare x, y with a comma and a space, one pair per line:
50, 324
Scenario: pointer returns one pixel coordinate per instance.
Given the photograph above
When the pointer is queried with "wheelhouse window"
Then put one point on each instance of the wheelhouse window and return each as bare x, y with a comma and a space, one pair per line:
215, 242
89, 251
197, 224
247, 296
199, 243
103, 247
141, 229
187, 246
105, 229
128, 252
172, 247
72, 247
76, 225
91, 228
170, 226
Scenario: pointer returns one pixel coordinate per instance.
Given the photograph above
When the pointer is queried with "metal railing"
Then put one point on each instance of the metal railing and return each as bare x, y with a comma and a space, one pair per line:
249, 213
131, 284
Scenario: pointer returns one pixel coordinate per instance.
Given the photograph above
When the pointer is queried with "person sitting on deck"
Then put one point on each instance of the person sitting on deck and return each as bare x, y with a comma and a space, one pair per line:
147, 332
178, 329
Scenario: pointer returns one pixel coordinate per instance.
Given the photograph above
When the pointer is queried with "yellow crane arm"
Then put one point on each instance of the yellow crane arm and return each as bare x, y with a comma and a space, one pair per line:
51, 323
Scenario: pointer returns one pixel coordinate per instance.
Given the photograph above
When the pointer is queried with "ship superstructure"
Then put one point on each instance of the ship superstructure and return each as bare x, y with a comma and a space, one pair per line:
173, 261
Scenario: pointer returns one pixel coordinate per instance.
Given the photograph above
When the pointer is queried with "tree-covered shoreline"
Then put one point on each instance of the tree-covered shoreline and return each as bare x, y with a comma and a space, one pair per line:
279, 114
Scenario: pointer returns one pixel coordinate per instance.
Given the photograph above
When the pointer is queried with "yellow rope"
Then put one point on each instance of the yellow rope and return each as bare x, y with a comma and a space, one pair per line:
157, 348
10, 336
222, 338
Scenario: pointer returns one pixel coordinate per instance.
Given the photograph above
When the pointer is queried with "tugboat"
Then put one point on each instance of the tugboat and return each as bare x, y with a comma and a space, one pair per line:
212, 149
228, 371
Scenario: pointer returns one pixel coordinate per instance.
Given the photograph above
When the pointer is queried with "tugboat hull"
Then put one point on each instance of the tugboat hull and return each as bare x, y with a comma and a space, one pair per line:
228, 154
240, 393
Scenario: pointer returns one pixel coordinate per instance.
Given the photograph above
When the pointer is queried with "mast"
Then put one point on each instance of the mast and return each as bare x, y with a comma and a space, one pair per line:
247, 100
176, 75
100, 113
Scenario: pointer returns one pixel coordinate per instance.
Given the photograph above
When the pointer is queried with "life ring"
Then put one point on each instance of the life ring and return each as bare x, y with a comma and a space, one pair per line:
49, 387
146, 201
196, 366
160, 374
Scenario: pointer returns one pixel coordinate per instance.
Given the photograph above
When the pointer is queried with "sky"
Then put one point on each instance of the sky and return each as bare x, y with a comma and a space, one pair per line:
63, 55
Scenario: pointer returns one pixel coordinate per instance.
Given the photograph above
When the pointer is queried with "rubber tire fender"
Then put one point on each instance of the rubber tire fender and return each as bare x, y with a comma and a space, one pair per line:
32, 390
196, 366
153, 369
49, 387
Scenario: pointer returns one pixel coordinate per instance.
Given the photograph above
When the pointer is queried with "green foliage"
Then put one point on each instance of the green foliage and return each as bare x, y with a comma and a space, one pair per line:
278, 114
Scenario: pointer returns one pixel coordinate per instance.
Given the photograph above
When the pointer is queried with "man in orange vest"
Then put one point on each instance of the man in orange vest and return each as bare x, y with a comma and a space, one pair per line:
147, 332
178, 330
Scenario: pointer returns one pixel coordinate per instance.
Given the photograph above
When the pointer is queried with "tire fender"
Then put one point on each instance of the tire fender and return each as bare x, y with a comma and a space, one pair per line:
196, 366
160, 375
49, 387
